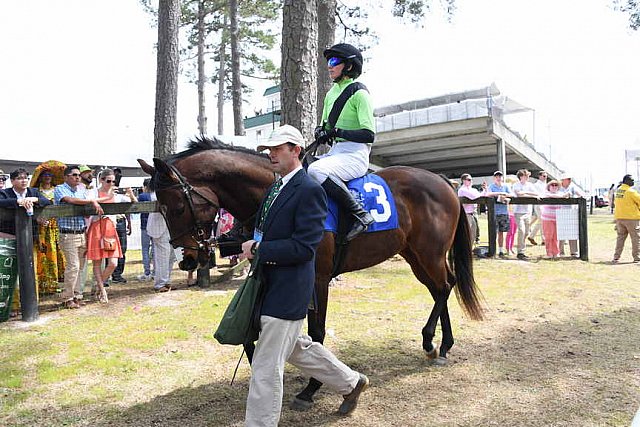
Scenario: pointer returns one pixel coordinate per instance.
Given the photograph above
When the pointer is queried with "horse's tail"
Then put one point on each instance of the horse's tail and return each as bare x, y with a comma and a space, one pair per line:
467, 291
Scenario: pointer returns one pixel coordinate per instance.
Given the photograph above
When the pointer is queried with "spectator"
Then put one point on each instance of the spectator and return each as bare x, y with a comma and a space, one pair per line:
612, 197
567, 186
466, 190
163, 255
627, 216
20, 196
49, 256
72, 235
536, 221
522, 213
86, 176
101, 228
548, 217
3, 179
502, 192
145, 240
118, 173
123, 227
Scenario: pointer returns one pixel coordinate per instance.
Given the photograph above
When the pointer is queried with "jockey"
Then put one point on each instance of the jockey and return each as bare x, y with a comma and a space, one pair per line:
350, 139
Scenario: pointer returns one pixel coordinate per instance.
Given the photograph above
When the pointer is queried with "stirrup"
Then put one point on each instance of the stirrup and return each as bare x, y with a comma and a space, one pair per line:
360, 225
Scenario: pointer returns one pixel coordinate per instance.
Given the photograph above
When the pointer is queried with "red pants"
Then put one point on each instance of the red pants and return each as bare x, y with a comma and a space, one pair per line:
550, 233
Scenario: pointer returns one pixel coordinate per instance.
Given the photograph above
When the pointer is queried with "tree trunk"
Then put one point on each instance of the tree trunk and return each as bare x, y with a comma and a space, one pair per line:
298, 72
202, 117
221, 79
326, 37
236, 85
164, 134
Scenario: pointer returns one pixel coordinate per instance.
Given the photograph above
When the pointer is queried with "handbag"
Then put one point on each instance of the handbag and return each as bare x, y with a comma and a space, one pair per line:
238, 325
107, 244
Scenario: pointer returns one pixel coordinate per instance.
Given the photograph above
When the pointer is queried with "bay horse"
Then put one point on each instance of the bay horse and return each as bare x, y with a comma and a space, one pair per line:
433, 234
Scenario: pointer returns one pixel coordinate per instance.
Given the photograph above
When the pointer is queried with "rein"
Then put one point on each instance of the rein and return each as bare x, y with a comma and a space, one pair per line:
198, 233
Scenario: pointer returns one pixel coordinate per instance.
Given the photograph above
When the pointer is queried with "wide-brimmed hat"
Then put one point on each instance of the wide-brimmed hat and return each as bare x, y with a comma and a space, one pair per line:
84, 168
282, 135
55, 167
552, 182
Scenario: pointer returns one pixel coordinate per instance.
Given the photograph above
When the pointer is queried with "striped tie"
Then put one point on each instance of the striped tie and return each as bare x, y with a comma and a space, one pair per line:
275, 190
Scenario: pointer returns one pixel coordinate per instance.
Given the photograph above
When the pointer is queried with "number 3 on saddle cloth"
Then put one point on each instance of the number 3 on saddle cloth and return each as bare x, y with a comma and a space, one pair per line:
374, 194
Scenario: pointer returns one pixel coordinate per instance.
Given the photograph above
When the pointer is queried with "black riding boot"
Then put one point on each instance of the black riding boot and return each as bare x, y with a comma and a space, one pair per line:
338, 191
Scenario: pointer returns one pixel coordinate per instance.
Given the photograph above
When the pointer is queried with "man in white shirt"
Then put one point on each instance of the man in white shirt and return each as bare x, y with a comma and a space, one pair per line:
522, 213
536, 222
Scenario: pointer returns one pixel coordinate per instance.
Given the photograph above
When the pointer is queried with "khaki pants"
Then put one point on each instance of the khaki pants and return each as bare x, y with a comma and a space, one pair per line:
280, 341
522, 222
473, 228
629, 227
74, 247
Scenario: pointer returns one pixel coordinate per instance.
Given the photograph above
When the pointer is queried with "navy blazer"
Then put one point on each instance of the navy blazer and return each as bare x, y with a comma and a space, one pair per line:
292, 231
8, 199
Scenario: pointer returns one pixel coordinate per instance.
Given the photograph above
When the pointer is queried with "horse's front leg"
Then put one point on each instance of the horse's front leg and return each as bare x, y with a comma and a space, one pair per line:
316, 320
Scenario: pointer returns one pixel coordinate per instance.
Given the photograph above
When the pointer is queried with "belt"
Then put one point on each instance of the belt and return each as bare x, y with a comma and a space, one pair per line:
66, 231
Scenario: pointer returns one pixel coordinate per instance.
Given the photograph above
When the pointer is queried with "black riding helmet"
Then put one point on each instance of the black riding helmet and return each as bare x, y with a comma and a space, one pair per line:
351, 56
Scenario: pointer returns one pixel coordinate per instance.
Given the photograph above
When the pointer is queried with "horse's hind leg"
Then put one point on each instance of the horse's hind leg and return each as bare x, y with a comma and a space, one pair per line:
440, 294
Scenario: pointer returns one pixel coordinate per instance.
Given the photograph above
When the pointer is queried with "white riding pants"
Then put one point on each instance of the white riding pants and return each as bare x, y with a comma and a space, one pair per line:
346, 160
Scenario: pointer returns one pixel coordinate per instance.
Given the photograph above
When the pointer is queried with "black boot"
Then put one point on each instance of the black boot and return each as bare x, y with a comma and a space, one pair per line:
338, 191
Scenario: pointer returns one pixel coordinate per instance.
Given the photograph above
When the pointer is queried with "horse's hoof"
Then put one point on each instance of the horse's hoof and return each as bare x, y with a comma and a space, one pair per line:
433, 354
440, 361
298, 404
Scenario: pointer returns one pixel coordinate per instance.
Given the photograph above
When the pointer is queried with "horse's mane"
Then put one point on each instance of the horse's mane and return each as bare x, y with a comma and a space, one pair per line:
203, 143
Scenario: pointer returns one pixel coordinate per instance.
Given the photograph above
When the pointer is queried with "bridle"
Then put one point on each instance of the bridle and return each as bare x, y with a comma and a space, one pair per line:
197, 231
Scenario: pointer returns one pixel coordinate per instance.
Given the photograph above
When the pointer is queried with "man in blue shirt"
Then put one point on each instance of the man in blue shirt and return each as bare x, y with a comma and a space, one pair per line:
502, 192
72, 235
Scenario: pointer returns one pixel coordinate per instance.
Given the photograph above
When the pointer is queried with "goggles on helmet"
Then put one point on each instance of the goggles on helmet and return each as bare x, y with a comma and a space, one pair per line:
334, 60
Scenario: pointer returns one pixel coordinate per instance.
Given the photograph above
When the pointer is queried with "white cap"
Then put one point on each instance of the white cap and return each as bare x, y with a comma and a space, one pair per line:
282, 135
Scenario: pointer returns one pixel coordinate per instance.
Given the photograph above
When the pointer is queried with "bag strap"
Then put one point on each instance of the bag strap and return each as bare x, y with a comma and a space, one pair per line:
339, 104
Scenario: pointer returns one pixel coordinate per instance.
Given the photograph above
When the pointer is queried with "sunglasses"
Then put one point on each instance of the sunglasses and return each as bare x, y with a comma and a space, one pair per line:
553, 185
334, 60
3, 178
73, 174
47, 174
109, 181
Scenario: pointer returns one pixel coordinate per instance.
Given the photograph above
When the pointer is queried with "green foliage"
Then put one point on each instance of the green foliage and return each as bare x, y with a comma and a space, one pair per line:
255, 38
632, 7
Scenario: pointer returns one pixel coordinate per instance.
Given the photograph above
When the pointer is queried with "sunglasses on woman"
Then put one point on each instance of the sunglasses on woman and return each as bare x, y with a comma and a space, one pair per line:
109, 181
333, 61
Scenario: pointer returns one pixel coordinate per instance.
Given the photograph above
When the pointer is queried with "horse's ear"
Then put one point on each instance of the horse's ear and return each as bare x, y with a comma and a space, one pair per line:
147, 167
162, 168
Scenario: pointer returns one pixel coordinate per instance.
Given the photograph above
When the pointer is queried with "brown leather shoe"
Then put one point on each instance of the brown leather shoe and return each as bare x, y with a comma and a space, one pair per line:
71, 304
351, 400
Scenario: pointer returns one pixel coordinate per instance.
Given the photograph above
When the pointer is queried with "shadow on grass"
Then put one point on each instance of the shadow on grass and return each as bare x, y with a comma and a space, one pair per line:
583, 372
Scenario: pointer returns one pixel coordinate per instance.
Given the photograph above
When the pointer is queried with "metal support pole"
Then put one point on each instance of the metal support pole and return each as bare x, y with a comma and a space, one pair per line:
26, 273
583, 238
501, 156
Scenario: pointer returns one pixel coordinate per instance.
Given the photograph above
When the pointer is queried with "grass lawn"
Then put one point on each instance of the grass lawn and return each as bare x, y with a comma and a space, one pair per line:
559, 347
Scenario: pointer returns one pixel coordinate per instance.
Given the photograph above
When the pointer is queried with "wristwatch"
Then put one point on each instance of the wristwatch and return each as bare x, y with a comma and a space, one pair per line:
254, 248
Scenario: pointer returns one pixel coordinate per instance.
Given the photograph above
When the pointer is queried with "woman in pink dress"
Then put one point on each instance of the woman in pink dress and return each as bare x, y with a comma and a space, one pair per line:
102, 238
548, 213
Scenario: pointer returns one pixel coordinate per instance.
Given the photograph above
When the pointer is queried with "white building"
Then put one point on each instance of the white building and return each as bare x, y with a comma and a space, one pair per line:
258, 128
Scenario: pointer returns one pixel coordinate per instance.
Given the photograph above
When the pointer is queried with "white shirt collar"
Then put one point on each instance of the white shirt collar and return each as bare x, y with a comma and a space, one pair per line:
290, 175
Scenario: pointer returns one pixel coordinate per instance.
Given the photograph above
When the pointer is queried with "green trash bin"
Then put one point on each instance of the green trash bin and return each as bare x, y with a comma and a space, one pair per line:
8, 276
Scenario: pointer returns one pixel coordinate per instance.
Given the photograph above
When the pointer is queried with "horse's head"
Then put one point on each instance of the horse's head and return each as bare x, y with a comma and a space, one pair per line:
189, 209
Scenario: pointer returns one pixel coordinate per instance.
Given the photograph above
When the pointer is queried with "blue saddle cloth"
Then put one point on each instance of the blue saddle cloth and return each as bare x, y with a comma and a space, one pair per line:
374, 195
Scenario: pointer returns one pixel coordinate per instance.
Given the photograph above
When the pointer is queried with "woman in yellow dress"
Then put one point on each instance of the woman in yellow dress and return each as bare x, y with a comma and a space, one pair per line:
50, 259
